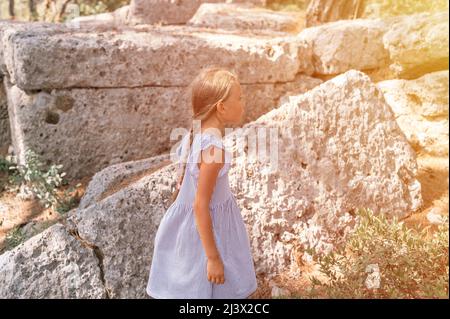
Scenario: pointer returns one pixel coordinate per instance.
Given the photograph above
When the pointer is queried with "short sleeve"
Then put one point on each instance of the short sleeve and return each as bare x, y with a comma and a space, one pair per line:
206, 141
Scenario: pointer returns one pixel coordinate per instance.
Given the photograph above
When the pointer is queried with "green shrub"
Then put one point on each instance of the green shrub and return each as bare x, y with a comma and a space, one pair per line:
385, 259
42, 183
21, 233
14, 237
4, 165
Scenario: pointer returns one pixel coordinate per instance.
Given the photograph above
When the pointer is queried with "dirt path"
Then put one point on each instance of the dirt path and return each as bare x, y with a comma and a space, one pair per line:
19, 212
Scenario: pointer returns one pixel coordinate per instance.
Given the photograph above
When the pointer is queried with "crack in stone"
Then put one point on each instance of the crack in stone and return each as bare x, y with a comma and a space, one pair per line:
48, 90
95, 249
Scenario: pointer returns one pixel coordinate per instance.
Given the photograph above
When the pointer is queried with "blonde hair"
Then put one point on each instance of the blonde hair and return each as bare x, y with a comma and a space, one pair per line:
211, 86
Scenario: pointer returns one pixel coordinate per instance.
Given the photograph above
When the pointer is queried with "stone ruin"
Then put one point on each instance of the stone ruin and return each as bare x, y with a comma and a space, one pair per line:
79, 93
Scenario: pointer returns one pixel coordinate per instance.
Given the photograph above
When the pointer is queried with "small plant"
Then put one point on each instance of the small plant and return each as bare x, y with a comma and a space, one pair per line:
4, 165
8, 174
41, 183
67, 201
19, 234
14, 237
385, 259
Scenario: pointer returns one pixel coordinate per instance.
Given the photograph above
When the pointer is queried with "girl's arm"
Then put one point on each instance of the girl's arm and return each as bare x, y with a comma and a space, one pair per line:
208, 172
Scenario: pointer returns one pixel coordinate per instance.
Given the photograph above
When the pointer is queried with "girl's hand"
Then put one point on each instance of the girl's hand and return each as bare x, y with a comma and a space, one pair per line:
215, 270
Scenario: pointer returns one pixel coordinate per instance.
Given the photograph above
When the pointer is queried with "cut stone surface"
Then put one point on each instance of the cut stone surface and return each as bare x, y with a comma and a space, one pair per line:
421, 110
170, 11
418, 44
8, 28
51, 265
87, 130
123, 226
347, 44
69, 57
239, 16
117, 176
339, 149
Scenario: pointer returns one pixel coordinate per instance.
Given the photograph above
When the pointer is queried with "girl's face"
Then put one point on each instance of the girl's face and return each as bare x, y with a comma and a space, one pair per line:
233, 108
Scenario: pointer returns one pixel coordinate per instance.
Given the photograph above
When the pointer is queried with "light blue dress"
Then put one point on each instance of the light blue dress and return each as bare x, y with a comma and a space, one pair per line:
178, 269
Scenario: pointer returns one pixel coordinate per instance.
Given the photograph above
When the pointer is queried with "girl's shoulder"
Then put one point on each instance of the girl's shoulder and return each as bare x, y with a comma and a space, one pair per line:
203, 141
200, 142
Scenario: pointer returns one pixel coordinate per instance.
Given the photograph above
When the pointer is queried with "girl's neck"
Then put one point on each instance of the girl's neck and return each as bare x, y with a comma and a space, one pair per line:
213, 126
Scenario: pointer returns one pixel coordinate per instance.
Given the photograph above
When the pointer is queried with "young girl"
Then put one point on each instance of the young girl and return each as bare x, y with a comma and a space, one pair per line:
202, 249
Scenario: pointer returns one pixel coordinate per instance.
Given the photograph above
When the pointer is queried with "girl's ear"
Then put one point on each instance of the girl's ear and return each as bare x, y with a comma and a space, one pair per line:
220, 107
